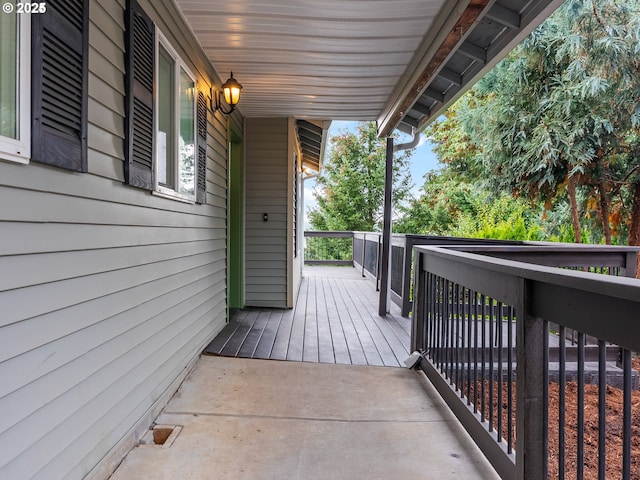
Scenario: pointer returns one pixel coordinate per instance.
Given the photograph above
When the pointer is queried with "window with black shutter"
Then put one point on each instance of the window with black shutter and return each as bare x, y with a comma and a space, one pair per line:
59, 72
140, 65
166, 116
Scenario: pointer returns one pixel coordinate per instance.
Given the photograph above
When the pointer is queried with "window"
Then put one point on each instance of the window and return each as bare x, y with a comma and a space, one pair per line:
175, 144
166, 117
14, 92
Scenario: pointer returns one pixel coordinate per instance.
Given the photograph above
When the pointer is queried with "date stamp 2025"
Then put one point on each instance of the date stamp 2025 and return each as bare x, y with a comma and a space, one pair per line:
26, 8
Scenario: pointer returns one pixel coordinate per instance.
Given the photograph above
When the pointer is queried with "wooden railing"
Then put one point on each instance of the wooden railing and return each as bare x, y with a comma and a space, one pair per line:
367, 246
328, 248
480, 312
363, 250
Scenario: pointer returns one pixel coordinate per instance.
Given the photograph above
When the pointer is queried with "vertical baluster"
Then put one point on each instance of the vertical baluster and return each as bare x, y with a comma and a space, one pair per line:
440, 322
447, 328
458, 336
469, 331
435, 333
545, 391
561, 400
626, 415
491, 359
510, 347
432, 315
580, 407
452, 333
425, 279
482, 355
453, 336
602, 408
475, 351
500, 371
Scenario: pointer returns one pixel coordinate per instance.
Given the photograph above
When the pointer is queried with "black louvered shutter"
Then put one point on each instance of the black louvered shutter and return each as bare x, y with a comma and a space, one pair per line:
140, 49
59, 94
201, 184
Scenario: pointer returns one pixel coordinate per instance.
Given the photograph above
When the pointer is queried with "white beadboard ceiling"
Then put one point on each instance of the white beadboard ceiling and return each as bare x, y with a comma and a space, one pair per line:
357, 59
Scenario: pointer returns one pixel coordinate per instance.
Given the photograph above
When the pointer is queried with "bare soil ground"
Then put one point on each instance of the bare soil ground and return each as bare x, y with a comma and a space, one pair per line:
613, 432
614, 426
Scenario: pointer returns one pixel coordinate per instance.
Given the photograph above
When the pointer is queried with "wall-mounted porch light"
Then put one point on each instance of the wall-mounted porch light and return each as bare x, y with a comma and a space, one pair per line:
231, 91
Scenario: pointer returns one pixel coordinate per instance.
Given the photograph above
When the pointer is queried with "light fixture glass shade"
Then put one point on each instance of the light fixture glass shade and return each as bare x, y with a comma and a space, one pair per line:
231, 90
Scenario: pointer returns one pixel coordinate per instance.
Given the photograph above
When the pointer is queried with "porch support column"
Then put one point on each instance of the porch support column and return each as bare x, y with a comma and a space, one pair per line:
385, 268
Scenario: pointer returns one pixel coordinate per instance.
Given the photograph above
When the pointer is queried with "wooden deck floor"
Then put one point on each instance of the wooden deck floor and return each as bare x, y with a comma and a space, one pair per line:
335, 321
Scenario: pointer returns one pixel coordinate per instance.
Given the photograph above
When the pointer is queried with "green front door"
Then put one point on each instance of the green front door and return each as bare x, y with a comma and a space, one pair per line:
235, 220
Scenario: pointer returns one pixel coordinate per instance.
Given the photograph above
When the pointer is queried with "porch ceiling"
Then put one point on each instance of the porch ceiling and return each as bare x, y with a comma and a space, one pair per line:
395, 61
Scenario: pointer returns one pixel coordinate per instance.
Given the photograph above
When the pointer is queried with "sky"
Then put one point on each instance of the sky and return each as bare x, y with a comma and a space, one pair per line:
422, 161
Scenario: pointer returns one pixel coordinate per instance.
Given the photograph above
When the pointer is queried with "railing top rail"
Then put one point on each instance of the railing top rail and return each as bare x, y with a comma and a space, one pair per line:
560, 255
604, 306
458, 240
479, 242
328, 234
621, 287
546, 247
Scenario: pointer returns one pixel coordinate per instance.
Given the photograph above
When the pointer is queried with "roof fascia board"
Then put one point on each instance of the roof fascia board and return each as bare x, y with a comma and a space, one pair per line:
323, 144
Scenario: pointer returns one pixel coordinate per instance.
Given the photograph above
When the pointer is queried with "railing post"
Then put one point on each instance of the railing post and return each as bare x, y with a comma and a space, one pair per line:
353, 252
364, 251
532, 385
386, 231
419, 306
378, 262
631, 265
406, 276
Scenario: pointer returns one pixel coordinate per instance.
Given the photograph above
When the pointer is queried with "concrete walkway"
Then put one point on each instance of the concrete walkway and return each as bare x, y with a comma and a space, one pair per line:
265, 419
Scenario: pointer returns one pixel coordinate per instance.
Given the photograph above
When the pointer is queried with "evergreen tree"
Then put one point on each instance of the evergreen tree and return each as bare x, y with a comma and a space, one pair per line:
558, 121
350, 190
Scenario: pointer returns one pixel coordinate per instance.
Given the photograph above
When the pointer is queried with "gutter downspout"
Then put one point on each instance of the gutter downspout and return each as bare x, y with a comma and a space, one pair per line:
406, 146
385, 274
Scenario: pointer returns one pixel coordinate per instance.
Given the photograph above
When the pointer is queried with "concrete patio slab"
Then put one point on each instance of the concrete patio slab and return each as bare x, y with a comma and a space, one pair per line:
258, 419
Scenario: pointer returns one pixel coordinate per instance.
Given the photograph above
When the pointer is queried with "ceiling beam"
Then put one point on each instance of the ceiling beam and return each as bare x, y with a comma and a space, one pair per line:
434, 95
504, 16
451, 76
474, 52
413, 123
421, 108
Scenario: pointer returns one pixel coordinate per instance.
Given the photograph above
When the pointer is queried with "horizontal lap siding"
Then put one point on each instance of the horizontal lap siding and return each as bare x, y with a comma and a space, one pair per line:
107, 292
106, 89
266, 192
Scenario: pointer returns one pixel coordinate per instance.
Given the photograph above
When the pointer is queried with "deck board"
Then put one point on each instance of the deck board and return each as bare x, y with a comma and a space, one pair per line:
310, 343
283, 335
296, 341
326, 352
335, 321
267, 340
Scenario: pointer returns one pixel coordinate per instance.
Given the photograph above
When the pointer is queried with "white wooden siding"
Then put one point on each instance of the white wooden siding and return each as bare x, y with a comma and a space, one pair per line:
107, 292
267, 191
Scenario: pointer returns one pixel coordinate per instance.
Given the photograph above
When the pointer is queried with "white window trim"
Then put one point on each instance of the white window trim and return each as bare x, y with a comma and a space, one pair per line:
179, 64
19, 150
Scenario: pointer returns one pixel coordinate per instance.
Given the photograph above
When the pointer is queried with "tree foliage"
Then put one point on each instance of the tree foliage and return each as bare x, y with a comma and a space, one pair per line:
556, 124
451, 207
350, 190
